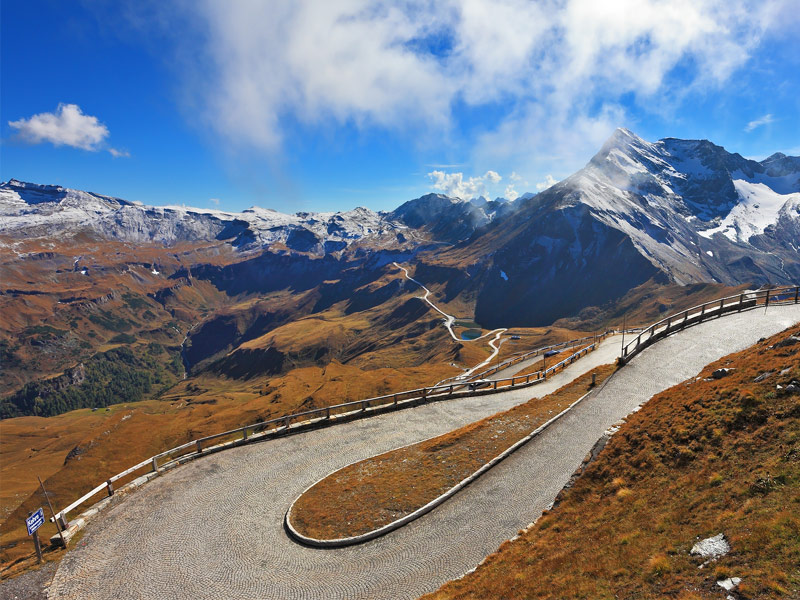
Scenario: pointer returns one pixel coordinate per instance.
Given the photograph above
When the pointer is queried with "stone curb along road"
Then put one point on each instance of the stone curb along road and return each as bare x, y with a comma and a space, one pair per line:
215, 527
370, 535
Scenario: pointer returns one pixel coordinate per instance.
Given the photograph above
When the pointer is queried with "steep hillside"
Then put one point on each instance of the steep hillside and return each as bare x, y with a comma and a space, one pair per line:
63, 304
711, 455
677, 212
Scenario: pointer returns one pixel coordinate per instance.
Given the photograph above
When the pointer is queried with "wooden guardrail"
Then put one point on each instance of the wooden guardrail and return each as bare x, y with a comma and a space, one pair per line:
708, 310
318, 416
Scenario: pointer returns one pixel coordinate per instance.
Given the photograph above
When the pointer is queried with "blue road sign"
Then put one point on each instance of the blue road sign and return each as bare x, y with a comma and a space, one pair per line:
35, 521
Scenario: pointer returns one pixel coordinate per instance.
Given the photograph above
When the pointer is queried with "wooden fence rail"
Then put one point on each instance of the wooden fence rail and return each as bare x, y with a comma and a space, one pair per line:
703, 312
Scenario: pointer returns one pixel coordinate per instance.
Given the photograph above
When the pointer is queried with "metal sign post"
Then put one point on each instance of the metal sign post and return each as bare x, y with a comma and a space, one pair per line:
33, 522
55, 520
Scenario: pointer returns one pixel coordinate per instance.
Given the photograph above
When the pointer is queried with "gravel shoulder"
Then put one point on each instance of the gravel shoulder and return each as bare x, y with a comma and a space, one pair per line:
31, 585
213, 528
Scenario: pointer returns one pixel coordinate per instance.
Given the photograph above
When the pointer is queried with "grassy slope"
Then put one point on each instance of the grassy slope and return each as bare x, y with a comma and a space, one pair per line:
54, 316
704, 457
648, 303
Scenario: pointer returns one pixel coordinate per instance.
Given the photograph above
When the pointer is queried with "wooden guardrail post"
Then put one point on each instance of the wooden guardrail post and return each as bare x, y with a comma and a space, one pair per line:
199, 445
155, 464
244, 433
741, 299
721, 306
110, 487
796, 294
766, 300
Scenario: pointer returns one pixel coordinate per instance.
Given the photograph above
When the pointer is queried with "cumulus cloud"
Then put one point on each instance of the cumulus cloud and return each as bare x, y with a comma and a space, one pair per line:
549, 181
454, 184
765, 120
561, 68
511, 193
492, 177
66, 126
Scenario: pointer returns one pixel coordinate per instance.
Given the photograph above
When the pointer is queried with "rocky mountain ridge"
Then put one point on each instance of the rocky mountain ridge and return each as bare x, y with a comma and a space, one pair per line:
671, 211
35, 210
38, 210
679, 211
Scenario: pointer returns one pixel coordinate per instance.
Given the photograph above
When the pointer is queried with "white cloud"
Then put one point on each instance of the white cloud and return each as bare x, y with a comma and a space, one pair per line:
765, 120
515, 177
455, 186
119, 153
511, 193
492, 177
67, 126
214, 201
549, 181
562, 67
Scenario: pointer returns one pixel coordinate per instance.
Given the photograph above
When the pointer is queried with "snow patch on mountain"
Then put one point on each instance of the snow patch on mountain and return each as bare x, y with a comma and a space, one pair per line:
673, 196
41, 210
759, 208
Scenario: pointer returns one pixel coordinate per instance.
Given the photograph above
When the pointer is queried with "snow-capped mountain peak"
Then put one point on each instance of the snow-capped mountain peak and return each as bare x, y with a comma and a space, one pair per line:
47, 209
674, 197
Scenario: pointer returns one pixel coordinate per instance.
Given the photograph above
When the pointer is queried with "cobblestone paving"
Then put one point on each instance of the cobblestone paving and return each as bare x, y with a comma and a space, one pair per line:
213, 528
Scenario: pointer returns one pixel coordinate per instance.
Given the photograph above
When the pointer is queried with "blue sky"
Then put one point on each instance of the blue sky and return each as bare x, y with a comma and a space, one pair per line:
318, 105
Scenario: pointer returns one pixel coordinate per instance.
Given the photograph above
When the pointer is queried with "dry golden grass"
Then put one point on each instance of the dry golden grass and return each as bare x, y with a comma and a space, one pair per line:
43, 289
703, 457
372, 493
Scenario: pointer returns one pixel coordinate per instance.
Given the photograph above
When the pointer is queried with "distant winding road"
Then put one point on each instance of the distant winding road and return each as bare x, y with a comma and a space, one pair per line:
213, 527
448, 323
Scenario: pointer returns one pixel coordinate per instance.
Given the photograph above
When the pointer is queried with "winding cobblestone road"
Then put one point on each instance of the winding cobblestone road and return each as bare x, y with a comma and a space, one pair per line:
213, 528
